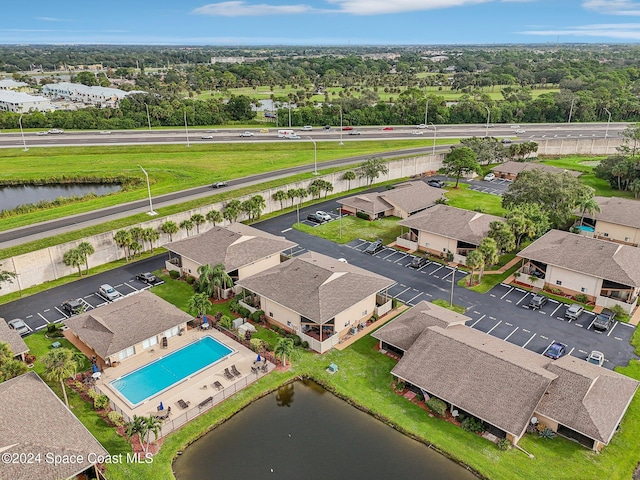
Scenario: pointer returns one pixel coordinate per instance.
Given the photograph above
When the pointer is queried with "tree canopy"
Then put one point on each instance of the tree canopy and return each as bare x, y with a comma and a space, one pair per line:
460, 161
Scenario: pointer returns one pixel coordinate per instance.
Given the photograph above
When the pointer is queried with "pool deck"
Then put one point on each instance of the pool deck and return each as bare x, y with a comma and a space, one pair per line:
193, 390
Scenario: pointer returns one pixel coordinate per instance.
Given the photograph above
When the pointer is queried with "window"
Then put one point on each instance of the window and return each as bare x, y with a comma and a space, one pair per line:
271, 314
127, 352
288, 324
605, 234
558, 282
149, 342
364, 313
583, 290
170, 333
626, 239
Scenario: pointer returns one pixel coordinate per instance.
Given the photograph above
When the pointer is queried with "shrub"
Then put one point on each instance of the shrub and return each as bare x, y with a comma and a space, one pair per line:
437, 406
472, 424
255, 316
305, 344
100, 402
399, 386
174, 274
296, 340
556, 291
29, 358
363, 215
395, 303
581, 297
546, 433
116, 418
78, 385
190, 280
504, 444
243, 312
92, 394
226, 322
234, 305
257, 344
618, 310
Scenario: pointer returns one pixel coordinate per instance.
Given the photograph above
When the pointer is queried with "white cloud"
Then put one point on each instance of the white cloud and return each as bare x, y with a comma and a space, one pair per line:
244, 9
618, 31
378, 7
613, 7
51, 19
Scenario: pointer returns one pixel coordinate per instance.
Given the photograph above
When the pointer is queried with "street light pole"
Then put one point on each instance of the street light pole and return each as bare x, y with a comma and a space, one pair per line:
433, 152
571, 109
151, 211
341, 126
186, 128
453, 281
606, 132
315, 156
289, 103
426, 113
24, 142
148, 117
486, 130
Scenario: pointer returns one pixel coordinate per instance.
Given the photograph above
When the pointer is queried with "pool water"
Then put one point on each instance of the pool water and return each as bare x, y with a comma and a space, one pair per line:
586, 228
156, 377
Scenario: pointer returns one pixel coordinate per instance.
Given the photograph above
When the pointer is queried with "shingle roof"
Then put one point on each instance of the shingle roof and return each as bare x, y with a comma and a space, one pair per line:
408, 196
465, 225
587, 398
34, 419
590, 256
234, 246
514, 168
12, 338
493, 380
620, 211
316, 286
404, 330
123, 323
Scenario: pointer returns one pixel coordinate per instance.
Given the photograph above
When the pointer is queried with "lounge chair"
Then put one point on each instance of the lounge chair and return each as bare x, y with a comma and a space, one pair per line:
165, 342
217, 385
227, 374
235, 371
205, 402
182, 404
265, 367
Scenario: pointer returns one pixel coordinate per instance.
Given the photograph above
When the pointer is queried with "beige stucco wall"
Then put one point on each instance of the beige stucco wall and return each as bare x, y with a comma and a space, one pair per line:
573, 281
436, 244
283, 316
353, 315
619, 233
259, 266
552, 424
189, 267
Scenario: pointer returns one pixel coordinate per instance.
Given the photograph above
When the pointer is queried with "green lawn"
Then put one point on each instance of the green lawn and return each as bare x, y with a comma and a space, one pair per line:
462, 197
353, 228
488, 281
446, 304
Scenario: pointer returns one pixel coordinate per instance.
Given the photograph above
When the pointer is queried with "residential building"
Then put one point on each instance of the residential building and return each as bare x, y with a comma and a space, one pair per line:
13, 339
319, 298
243, 250
35, 424
77, 92
11, 84
607, 273
510, 170
502, 384
19, 102
403, 200
127, 327
618, 220
444, 230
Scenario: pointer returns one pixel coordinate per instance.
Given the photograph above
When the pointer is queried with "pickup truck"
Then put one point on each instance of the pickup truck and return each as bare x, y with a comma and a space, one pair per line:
573, 311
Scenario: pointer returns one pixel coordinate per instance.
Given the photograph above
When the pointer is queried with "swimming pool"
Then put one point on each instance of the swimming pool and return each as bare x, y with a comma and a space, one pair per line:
586, 228
160, 375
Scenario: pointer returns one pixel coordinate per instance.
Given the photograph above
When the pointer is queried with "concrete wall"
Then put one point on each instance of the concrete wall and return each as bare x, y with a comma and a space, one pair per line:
573, 282
435, 244
352, 316
280, 315
617, 233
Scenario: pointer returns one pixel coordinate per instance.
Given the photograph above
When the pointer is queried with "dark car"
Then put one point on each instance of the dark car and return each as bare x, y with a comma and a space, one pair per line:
327, 127
375, 247
418, 262
148, 278
505, 140
73, 306
537, 302
219, 185
436, 183
555, 350
604, 320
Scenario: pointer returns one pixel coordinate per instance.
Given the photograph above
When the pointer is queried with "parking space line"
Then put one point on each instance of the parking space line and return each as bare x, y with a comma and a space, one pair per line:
626, 325
440, 267
286, 230
499, 322
547, 347
43, 318
393, 252
131, 287
532, 336
29, 316
420, 269
38, 328
525, 296
401, 258
414, 298
554, 312
510, 290
542, 336
594, 319
474, 323
611, 330
571, 351
408, 288
450, 273
514, 331
63, 313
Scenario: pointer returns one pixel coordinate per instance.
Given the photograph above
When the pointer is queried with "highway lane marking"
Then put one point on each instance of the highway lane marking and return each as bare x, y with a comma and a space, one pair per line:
514, 331
510, 290
499, 322
474, 323
532, 336
614, 326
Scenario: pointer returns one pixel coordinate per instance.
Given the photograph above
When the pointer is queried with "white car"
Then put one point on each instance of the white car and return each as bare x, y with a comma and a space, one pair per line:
596, 357
105, 132
421, 126
417, 132
55, 131
515, 126
40, 134
307, 128
19, 326
520, 131
108, 292
247, 134
207, 137
293, 137
490, 176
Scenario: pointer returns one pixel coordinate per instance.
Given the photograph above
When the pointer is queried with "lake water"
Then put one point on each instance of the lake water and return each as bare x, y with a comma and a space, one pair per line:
12, 196
303, 432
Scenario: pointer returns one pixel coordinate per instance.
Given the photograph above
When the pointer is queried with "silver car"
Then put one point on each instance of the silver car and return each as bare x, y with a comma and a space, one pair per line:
108, 292
19, 326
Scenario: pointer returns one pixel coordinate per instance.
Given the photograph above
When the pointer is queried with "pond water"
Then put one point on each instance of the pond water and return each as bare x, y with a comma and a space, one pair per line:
12, 196
304, 432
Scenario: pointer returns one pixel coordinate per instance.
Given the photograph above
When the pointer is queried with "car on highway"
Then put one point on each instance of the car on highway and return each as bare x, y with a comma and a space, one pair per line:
148, 278
505, 140
387, 128
520, 131
347, 128
207, 137
417, 132
219, 185
436, 183
107, 292
19, 326
73, 306
555, 350
307, 128
40, 134
490, 125
490, 176
354, 132
421, 126
264, 130
319, 217
105, 132
538, 301
294, 137
246, 134
418, 262
56, 131
573, 311
375, 247
327, 127
603, 320
596, 357
515, 126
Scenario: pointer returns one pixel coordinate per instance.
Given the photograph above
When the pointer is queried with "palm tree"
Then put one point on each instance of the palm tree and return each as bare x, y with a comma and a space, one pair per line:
137, 233
73, 258
198, 219
152, 425
280, 196
123, 239
475, 261
489, 251
292, 194
258, 204
301, 193
137, 426
151, 235
169, 228
204, 284
59, 364
86, 249
220, 279
187, 225
587, 205
284, 348
199, 303
214, 216
136, 248
348, 176
6, 276
232, 210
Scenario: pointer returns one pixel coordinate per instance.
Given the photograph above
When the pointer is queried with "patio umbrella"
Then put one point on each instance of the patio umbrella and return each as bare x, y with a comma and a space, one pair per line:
259, 359
204, 320
160, 407
95, 368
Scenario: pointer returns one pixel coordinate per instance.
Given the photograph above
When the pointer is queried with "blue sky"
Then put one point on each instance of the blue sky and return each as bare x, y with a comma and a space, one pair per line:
320, 22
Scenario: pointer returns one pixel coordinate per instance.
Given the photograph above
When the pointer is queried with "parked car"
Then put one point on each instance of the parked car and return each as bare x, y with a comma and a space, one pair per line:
505, 140
555, 350
354, 132
343, 260
40, 134
148, 278
19, 326
490, 176
596, 357
219, 185
573, 311
347, 128
603, 320
307, 128
246, 134
538, 301
417, 132
319, 217
387, 128
436, 183
418, 262
207, 137
375, 247
74, 306
56, 131
108, 292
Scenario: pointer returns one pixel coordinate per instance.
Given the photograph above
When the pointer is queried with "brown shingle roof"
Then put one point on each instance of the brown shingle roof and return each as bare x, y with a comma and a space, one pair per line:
465, 225
12, 338
316, 286
234, 246
409, 197
34, 419
589, 256
491, 379
514, 168
587, 398
620, 211
404, 330
123, 323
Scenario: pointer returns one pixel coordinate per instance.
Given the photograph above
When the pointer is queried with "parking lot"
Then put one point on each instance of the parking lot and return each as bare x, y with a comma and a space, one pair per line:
496, 186
332, 213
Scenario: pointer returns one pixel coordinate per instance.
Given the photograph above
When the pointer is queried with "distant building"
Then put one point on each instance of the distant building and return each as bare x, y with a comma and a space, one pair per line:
77, 92
18, 102
10, 84
227, 60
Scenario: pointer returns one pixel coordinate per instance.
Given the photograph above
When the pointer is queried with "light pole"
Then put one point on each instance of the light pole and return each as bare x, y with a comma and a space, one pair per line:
24, 142
486, 130
315, 156
453, 280
148, 117
426, 113
150, 212
186, 128
606, 132
571, 109
289, 103
433, 152
341, 126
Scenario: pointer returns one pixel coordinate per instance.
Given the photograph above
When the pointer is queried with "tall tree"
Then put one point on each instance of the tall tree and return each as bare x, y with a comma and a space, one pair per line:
169, 228
475, 261
215, 216
489, 251
232, 210
220, 279
198, 219
258, 204
284, 348
86, 249
153, 425
123, 239
371, 169
73, 258
503, 236
59, 364
460, 161
6, 277
151, 235
280, 196
199, 303
186, 225
348, 176
587, 205
9, 367
631, 141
